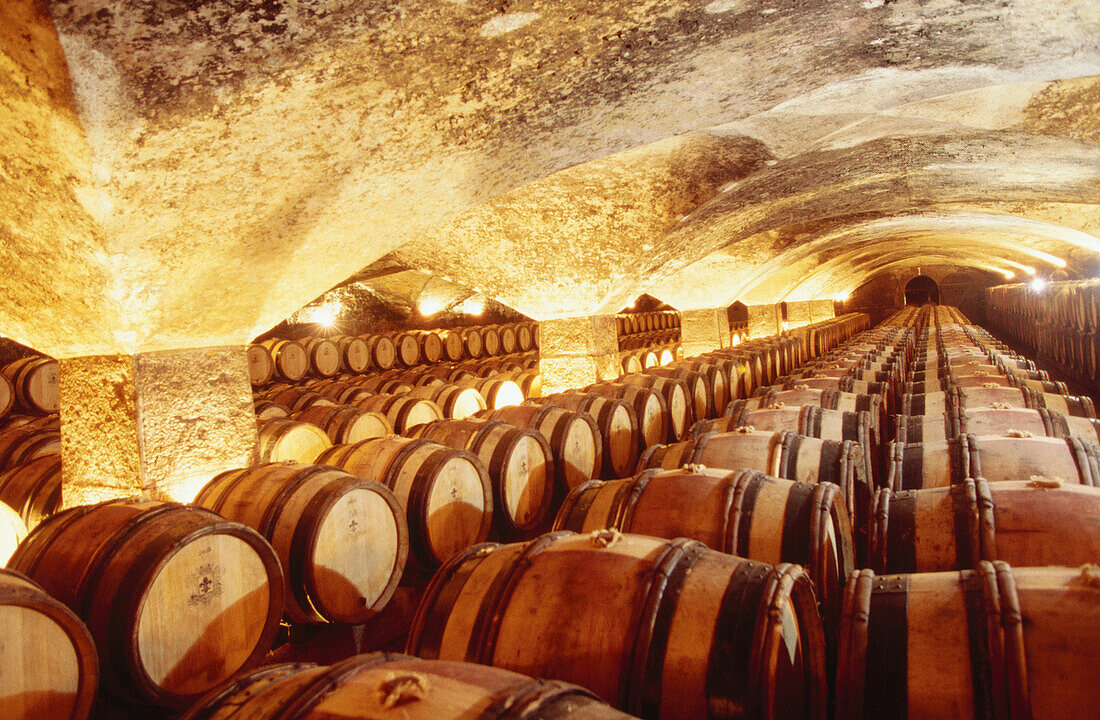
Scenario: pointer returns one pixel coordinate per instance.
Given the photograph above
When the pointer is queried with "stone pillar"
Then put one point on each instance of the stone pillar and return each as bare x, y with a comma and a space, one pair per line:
704, 330
798, 314
159, 425
578, 351
764, 320
821, 310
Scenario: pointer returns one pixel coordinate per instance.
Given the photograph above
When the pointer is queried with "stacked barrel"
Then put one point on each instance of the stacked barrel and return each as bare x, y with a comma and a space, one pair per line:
647, 339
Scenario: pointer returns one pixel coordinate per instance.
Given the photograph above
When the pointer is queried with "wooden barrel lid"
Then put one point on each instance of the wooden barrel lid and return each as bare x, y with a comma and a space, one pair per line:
324, 357
619, 443
667, 356
291, 360
490, 340
285, 439
525, 339
501, 393
472, 341
260, 367
453, 345
408, 349
33, 489
209, 592
431, 347
269, 409
526, 481
456, 505
35, 383
383, 353
50, 669
358, 547
631, 364
356, 353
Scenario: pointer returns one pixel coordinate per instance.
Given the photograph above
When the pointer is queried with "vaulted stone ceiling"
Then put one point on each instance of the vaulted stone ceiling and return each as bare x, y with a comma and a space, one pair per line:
184, 174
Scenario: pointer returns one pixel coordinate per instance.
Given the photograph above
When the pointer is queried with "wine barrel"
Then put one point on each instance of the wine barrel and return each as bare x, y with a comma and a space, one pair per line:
490, 340
497, 393
286, 439
342, 540
7, 395
525, 337
617, 423
456, 402
266, 409
994, 642
261, 368
631, 363
519, 462
354, 353
382, 384
472, 342
828, 399
700, 394
447, 495
718, 390
1077, 406
681, 404
431, 347
33, 490
408, 348
573, 436
324, 356
346, 423
808, 420
403, 411
453, 345
649, 406
1023, 523
744, 513
48, 664
918, 466
20, 445
669, 630
995, 421
290, 359
176, 598
34, 380
383, 353
12, 532
508, 340
381, 685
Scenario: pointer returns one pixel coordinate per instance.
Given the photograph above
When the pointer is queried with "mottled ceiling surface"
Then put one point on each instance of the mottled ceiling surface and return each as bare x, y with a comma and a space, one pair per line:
184, 174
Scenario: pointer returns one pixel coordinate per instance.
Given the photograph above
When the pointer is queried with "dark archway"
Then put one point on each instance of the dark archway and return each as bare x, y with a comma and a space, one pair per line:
920, 290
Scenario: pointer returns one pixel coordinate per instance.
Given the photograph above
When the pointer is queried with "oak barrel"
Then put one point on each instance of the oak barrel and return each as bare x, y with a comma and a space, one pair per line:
519, 462
498, 393
573, 436
446, 493
649, 406
20, 445
284, 439
471, 341
455, 402
354, 353
7, 395
33, 489
342, 540
744, 513
383, 353
681, 403
669, 630
403, 411
431, 347
993, 642
289, 357
618, 425
34, 380
1021, 522
453, 345
324, 356
261, 368
346, 423
176, 597
407, 347
48, 664
386, 685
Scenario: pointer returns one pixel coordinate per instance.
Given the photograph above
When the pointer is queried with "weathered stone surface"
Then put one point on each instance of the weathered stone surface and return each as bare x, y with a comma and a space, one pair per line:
100, 439
158, 425
704, 330
764, 320
196, 418
578, 351
821, 310
798, 314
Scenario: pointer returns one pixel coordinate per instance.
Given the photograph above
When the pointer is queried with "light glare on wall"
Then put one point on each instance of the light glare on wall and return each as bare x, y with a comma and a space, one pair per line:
1038, 284
324, 315
429, 306
473, 305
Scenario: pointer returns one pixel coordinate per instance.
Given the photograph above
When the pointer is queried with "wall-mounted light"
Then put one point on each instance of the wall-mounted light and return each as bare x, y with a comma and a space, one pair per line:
1038, 284
429, 306
843, 297
473, 305
1039, 254
325, 314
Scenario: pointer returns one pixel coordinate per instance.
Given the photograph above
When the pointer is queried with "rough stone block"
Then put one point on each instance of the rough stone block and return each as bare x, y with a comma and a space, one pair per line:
798, 314
821, 310
579, 336
704, 330
764, 320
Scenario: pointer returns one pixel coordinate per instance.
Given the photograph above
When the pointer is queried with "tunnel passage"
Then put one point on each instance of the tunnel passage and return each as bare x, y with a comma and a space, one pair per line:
920, 290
